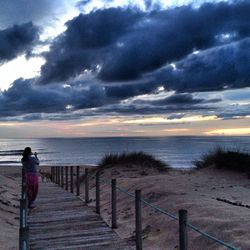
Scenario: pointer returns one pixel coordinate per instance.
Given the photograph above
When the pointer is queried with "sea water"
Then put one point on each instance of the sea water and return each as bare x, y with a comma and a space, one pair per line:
177, 151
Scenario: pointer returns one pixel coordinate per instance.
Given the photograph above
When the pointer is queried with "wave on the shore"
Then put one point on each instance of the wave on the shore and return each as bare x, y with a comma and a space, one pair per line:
11, 152
9, 162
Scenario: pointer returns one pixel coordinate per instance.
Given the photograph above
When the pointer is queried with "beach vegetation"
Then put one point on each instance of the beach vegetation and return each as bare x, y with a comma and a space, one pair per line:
235, 160
133, 158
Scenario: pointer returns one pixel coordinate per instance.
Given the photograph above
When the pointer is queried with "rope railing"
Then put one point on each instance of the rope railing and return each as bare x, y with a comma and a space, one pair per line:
182, 216
158, 209
24, 229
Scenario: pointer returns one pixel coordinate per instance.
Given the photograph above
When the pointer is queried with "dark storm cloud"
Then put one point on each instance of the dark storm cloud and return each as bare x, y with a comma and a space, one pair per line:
221, 67
87, 39
135, 109
23, 97
129, 43
17, 40
178, 99
124, 91
25, 101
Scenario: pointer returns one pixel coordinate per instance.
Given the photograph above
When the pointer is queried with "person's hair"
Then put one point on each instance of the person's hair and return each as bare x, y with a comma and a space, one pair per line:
26, 154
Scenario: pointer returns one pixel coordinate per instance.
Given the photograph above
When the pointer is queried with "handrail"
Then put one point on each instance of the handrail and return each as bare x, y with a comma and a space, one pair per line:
24, 229
158, 209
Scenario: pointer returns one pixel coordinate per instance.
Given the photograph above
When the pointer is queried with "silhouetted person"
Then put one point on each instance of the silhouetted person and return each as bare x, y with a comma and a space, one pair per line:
30, 163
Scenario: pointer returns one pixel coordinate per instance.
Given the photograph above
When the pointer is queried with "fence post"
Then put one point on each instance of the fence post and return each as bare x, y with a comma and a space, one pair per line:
183, 229
56, 176
77, 180
59, 176
67, 177
62, 179
51, 173
86, 185
113, 201
71, 179
24, 238
23, 229
97, 193
138, 221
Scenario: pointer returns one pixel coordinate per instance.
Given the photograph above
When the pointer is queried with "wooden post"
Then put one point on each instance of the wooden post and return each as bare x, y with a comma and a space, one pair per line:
71, 179
24, 185
54, 178
97, 193
113, 201
86, 185
51, 173
59, 176
23, 213
138, 220
24, 238
62, 177
23, 229
183, 229
67, 177
56, 175
77, 180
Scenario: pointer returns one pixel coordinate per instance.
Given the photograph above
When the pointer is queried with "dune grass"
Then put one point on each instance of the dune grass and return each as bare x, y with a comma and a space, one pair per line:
133, 158
225, 159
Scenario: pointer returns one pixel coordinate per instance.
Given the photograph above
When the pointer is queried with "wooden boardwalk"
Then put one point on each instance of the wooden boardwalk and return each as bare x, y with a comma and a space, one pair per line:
62, 221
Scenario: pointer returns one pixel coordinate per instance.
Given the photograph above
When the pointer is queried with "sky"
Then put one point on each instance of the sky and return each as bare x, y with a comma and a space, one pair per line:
86, 68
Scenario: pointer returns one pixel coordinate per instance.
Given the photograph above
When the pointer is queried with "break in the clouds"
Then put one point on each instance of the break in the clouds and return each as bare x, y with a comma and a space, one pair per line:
17, 40
22, 11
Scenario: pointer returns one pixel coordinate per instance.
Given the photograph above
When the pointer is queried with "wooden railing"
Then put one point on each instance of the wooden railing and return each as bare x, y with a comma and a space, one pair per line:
24, 229
58, 176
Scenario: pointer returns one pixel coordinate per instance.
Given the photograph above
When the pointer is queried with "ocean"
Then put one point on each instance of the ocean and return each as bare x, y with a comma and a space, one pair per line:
177, 151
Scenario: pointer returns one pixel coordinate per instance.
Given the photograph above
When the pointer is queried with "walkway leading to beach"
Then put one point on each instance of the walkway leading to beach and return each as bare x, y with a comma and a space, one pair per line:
62, 221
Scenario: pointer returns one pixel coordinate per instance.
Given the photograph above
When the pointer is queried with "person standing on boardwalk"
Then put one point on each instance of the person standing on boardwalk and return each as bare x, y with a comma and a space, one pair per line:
30, 163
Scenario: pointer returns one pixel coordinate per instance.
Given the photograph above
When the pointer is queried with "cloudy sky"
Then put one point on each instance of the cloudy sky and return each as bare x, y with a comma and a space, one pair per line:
124, 68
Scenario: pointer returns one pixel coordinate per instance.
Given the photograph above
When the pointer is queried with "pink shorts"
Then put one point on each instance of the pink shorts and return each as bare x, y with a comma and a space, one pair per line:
32, 187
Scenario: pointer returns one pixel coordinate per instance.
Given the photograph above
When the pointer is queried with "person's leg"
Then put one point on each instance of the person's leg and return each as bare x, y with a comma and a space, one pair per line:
32, 185
29, 189
35, 183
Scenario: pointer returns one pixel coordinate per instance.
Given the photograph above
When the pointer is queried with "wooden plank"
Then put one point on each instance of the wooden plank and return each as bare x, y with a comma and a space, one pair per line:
63, 221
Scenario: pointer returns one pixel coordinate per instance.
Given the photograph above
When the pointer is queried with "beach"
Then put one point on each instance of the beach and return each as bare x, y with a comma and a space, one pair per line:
197, 191
9, 207
203, 193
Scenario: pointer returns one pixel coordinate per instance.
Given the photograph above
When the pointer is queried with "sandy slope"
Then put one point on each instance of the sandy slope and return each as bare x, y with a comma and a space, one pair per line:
196, 191
9, 207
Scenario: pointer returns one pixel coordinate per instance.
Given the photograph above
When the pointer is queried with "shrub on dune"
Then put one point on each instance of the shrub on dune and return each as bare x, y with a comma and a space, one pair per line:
133, 158
225, 159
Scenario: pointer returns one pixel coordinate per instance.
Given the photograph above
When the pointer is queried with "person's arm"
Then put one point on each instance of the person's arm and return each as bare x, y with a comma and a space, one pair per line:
37, 158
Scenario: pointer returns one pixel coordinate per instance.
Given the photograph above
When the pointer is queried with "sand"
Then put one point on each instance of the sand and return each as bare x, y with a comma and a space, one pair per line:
200, 192
9, 207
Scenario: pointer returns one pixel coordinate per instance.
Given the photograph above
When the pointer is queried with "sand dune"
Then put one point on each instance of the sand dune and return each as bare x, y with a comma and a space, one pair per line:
9, 207
200, 192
